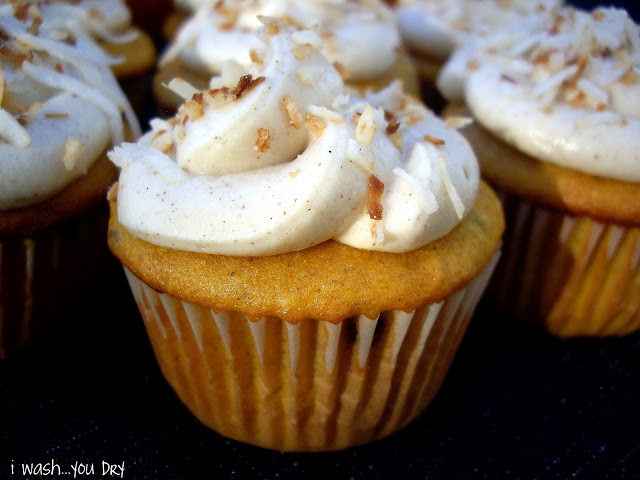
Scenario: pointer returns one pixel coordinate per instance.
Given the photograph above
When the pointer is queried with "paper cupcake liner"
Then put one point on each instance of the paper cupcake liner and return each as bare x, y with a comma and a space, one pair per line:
574, 275
308, 386
39, 274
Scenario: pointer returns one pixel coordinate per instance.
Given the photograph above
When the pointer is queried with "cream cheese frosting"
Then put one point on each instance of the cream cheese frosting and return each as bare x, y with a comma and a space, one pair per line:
569, 95
362, 36
288, 157
60, 105
435, 28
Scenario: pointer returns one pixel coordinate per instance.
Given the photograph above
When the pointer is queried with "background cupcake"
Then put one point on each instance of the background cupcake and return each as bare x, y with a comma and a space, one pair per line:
361, 36
432, 30
109, 24
322, 303
557, 126
61, 109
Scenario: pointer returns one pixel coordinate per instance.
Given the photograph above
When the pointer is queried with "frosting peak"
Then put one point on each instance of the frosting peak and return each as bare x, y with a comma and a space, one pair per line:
287, 157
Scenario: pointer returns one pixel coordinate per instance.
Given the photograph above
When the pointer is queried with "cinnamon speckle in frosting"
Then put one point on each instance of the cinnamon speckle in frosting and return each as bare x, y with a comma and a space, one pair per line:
314, 124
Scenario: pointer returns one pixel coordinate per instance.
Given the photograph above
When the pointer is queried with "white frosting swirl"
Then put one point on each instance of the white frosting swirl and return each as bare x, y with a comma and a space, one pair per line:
292, 160
362, 36
570, 95
435, 28
61, 106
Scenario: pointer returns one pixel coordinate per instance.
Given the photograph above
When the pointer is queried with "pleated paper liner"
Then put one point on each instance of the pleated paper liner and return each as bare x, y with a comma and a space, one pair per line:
41, 273
310, 386
573, 275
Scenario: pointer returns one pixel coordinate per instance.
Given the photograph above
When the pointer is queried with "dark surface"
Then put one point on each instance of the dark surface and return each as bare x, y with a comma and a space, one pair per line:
517, 404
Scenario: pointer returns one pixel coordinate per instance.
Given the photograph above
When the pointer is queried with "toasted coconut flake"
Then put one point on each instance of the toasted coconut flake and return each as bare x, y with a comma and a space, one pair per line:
182, 88
192, 109
344, 72
271, 25
256, 57
375, 189
293, 112
438, 142
366, 127
314, 124
576, 99
325, 114
302, 52
163, 141
398, 140
71, 154
457, 122
306, 37
262, 140
629, 77
393, 125
458, 205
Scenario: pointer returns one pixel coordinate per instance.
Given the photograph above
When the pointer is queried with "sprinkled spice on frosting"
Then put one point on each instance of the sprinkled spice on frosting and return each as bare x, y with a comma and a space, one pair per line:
298, 158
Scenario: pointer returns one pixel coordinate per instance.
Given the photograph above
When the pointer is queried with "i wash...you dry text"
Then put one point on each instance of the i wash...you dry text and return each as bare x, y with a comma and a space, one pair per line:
74, 470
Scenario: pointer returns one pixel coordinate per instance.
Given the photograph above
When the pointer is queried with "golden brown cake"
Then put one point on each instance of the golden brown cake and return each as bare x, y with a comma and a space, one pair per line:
310, 350
306, 262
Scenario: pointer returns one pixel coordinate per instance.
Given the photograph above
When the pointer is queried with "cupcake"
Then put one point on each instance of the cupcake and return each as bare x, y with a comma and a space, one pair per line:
305, 259
433, 30
107, 22
60, 111
361, 36
557, 130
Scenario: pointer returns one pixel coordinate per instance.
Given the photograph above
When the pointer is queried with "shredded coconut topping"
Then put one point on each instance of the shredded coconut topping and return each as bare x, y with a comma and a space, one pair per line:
49, 56
362, 36
374, 170
574, 98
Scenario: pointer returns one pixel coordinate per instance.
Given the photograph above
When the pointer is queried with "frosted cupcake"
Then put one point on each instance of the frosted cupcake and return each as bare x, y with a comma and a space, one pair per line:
361, 36
433, 30
107, 22
558, 126
61, 110
305, 260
